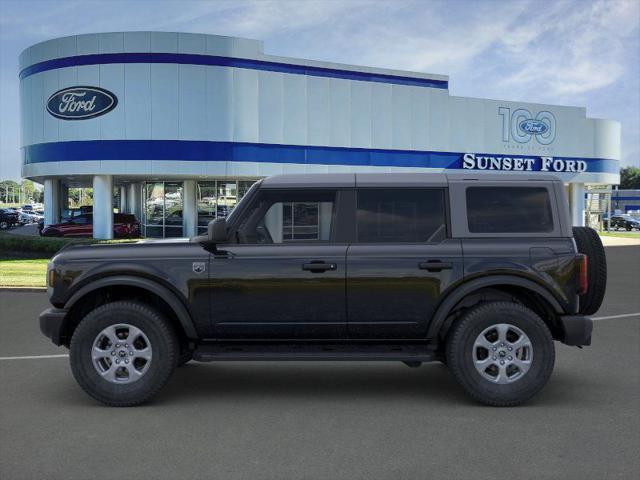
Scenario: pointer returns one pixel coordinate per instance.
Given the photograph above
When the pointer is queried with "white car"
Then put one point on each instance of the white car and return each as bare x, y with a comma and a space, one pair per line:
25, 217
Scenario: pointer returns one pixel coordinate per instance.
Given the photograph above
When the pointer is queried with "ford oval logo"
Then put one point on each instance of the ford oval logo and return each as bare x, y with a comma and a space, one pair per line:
81, 103
533, 126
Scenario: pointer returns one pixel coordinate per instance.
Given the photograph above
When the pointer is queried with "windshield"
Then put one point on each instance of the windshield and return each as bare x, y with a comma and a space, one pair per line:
242, 201
245, 198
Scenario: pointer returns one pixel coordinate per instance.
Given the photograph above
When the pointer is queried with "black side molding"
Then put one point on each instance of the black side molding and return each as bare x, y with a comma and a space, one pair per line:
294, 351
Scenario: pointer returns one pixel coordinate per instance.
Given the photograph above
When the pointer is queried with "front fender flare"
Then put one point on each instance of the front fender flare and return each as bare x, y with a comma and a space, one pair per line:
164, 293
454, 297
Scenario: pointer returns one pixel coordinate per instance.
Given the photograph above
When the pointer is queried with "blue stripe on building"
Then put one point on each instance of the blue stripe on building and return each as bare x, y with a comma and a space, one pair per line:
186, 150
211, 60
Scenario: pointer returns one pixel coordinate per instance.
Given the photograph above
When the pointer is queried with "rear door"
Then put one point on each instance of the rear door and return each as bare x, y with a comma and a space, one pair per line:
402, 261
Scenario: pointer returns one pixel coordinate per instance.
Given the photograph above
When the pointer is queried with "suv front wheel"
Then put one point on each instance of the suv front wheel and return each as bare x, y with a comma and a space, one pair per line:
501, 353
123, 353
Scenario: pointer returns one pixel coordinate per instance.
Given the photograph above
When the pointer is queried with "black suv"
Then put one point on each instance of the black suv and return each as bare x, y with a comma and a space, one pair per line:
477, 272
625, 221
8, 218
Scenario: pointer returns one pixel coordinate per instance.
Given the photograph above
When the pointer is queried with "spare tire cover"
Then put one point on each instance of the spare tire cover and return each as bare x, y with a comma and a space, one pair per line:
588, 242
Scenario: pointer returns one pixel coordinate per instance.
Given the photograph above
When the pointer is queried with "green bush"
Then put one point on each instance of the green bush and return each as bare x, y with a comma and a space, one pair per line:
16, 244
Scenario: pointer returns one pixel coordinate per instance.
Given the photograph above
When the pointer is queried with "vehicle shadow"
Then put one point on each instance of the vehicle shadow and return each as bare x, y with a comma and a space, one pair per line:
315, 381
238, 382
431, 383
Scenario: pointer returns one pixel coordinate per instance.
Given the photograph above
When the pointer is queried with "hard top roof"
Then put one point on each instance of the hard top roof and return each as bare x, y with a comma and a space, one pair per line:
399, 179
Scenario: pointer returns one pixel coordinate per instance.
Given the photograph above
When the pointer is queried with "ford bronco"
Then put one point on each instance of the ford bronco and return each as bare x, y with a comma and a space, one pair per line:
477, 271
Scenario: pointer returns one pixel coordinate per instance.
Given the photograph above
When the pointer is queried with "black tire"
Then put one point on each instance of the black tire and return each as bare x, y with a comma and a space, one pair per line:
4, 225
589, 243
163, 343
460, 350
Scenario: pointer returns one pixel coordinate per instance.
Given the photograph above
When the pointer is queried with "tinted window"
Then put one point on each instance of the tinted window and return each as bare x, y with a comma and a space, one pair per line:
284, 217
509, 210
124, 218
83, 219
400, 215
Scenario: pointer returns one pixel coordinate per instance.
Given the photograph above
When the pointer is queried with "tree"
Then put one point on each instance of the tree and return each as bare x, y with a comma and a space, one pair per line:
630, 178
9, 191
28, 190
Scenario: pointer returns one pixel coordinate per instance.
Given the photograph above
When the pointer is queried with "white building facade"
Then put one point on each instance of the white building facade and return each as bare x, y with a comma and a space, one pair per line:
180, 125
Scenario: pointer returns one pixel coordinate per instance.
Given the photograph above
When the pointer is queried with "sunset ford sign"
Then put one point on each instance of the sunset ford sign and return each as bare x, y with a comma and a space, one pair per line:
81, 103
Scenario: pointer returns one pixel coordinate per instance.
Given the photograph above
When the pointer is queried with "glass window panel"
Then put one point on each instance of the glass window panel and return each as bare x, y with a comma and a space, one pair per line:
289, 217
206, 203
400, 215
509, 210
243, 187
227, 197
153, 212
153, 232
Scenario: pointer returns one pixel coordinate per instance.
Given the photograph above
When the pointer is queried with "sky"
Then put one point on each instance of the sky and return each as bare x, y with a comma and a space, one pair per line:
578, 52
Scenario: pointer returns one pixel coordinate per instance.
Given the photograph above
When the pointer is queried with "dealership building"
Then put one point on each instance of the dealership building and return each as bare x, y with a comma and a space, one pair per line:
175, 127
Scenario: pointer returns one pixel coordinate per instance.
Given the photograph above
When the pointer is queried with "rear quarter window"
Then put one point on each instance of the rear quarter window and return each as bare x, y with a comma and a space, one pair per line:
509, 210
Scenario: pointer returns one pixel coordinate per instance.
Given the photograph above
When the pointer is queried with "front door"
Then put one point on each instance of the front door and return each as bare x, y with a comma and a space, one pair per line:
401, 262
285, 276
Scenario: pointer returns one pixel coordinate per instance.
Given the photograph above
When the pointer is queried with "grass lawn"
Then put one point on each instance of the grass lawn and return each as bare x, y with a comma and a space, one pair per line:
23, 272
620, 234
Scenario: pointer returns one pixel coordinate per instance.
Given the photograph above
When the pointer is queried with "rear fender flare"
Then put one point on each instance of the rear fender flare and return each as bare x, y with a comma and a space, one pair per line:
453, 298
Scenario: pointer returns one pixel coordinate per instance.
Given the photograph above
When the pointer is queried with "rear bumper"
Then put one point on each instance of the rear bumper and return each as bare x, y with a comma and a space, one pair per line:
52, 323
576, 330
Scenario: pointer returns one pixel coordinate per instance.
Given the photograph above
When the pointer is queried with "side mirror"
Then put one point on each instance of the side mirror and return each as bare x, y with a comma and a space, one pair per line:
217, 230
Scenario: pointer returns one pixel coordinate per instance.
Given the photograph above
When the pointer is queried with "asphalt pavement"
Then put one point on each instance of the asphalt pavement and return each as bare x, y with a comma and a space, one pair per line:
327, 420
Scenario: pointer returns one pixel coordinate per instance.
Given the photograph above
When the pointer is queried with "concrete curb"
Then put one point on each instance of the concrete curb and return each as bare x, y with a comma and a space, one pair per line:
23, 289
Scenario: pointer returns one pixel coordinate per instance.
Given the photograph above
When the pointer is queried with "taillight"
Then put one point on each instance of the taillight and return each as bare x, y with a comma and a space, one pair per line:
583, 279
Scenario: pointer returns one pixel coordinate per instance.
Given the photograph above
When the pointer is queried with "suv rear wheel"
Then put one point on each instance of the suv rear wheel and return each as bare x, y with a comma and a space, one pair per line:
123, 353
501, 353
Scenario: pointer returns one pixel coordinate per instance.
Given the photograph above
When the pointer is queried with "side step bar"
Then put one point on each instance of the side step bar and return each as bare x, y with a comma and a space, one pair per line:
312, 352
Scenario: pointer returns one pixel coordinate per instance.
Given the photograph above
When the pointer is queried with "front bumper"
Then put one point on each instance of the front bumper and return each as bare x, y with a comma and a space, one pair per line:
576, 330
52, 324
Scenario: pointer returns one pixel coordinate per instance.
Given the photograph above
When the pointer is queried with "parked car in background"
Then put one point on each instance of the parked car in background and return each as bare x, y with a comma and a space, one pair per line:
625, 221
124, 226
8, 218
26, 217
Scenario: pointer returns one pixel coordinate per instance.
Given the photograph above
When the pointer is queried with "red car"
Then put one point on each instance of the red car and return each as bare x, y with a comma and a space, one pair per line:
124, 226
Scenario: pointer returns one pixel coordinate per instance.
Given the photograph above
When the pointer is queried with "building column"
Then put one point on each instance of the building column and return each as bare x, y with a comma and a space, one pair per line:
51, 201
577, 204
64, 196
123, 199
103, 207
189, 209
134, 200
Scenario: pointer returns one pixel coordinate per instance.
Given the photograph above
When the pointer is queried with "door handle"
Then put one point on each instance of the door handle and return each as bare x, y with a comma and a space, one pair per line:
435, 266
318, 267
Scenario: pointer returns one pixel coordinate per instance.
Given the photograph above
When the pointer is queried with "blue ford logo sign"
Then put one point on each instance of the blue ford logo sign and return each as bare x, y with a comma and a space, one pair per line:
533, 126
81, 103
